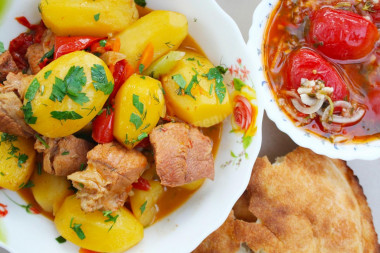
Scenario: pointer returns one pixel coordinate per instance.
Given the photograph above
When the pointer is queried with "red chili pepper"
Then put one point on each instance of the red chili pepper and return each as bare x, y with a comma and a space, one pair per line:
102, 127
65, 45
122, 71
3, 210
34, 210
142, 184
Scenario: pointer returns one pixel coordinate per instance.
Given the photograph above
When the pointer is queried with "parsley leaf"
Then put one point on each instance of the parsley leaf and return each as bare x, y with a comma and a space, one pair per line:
21, 159
194, 79
79, 98
111, 218
142, 3
65, 153
77, 229
238, 84
222, 69
141, 67
135, 120
136, 103
179, 80
100, 80
32, 90
43, 142
48, 55
65, 115
2, 49
103, 43
47, 74
60, 239
29, 184
28, 113
5, 137
143, 206
59, 90
142, 136
220, 90
96, 17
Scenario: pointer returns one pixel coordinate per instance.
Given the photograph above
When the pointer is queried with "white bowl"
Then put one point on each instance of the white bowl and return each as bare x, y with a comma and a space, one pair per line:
184, 229
347, 151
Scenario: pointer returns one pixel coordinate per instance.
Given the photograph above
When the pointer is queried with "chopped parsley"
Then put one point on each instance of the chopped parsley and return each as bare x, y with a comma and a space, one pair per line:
2, 173
111, 218
238, 84
32, 90
143, 206
65, 153
135, 120
179, 80
2, 49
48, 55
43, 142
100, 80
141, 67
71, 86
141, 3
217, 74
190, 59
82, 167
39, 168
13, 151
136, 103
77, 229
142, 136
47, 74
65, 115
103, 43
194, 80
169, 44
28, 113
96, 17
60, 239
29, 184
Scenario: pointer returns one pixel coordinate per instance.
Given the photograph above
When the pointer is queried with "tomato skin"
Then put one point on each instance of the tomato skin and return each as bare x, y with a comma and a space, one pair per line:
374, 99
306, 63
341, 35
142, 184
102, 127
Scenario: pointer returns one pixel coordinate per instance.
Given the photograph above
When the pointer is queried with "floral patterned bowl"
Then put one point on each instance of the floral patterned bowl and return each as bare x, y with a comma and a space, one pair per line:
23, 231
369, 150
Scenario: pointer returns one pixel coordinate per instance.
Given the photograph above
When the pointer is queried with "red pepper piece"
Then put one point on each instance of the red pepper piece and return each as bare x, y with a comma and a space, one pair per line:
142, 184
65, 45
18, 47
102, 127
122, 71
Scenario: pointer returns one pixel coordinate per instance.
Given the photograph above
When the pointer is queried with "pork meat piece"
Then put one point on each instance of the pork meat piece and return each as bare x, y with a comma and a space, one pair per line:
12, 117
182, 154
17, 83
34, 54
7, 65
111, 170
63, 156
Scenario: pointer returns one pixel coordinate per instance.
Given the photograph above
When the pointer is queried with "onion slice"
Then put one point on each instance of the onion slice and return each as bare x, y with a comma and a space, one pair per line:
111, 57
308, 110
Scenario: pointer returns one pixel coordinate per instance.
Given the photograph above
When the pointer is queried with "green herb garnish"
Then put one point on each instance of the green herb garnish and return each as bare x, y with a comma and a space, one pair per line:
60, 239
32, 90
143, 206
96, 17
77, 229
100, 80
65, 115
141, 3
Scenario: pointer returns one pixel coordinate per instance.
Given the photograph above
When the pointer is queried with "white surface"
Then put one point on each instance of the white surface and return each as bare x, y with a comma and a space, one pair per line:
184, 229
276, 143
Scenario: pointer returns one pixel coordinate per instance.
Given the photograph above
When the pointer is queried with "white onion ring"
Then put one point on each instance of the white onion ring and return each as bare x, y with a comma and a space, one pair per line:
299, 120
308, 110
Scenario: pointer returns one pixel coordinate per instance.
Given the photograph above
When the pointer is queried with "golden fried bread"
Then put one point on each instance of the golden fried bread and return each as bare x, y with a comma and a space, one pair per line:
307, 203
303, 203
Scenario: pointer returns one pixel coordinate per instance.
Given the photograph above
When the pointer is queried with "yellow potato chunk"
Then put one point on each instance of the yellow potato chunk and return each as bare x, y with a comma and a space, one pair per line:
139, 104
49, 191
119, 233
193, 185
67, 94
201, 101
164, 29
143, 203
17, 161
82, 17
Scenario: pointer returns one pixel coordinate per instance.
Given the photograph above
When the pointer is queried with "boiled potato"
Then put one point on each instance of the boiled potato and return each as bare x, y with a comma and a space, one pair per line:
49, 191
200, 105
143, 203
193, 185
82, 17
164, 29
139, 104
99, 236
17, 161
67, 94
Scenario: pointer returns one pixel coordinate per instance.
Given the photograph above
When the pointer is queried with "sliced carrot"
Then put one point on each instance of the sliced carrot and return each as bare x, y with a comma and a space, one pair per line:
116, 45
112, 68
146, 57
129, 70
82, 250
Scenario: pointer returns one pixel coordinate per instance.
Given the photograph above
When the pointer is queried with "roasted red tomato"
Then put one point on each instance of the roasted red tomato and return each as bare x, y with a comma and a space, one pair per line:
341, 35
305, 63
374, 98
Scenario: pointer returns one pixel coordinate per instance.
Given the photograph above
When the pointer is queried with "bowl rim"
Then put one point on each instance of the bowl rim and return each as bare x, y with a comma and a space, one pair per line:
368, 150
213, 221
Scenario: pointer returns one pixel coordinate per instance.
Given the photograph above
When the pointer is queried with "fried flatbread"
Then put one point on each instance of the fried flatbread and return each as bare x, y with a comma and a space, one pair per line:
304, 203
